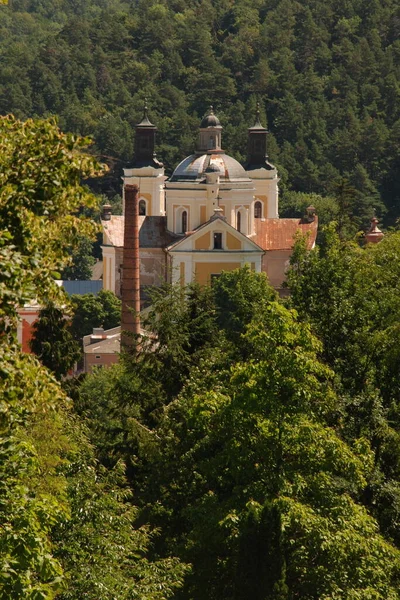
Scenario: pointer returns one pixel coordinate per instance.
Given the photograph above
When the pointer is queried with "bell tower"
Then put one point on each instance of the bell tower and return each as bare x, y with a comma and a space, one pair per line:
145, 171
210, 134
145, 141
262, 172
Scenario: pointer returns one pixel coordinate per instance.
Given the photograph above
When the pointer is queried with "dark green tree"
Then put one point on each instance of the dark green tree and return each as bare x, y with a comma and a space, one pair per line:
251, 461
81, 261
52, 341
89, 311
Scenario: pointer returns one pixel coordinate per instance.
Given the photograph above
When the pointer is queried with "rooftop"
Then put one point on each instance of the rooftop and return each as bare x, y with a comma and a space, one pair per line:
153, 231
280, 234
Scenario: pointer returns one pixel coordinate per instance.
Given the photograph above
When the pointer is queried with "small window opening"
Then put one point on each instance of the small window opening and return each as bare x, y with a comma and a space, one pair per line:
257, 210
184, 221
217, 241
238, 221
142, 207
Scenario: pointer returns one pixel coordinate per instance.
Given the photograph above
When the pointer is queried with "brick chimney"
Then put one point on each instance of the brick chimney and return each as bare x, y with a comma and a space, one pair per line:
130, 294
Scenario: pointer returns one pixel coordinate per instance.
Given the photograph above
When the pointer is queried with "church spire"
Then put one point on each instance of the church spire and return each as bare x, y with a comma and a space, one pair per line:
145, 140
257, 157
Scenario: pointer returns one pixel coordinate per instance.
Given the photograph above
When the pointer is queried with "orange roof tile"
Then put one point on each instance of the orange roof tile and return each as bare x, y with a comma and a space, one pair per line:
279, 234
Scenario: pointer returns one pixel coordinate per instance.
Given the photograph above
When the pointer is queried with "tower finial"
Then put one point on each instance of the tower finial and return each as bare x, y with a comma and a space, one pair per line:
258, 122
145, 109
211, 109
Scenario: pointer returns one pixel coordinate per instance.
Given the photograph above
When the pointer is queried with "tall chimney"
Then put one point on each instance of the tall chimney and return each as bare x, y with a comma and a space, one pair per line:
130, 322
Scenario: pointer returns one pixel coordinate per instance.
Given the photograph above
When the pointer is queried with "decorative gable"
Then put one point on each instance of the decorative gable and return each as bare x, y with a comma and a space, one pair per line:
207, 239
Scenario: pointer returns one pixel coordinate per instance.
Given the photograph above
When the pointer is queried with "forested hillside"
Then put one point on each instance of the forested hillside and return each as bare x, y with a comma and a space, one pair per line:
325, 72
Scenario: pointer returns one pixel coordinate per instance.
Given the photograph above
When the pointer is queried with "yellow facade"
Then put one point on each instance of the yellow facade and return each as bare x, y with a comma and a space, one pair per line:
203, 214
203, 271
203, 242
232, 242
149, 202
264, 201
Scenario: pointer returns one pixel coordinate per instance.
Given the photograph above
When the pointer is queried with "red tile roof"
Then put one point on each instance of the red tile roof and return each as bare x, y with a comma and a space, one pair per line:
279, 234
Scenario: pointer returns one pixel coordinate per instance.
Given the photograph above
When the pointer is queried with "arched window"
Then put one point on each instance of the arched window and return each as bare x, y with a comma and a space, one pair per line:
142, 207
258, 210
238, 221
184, 221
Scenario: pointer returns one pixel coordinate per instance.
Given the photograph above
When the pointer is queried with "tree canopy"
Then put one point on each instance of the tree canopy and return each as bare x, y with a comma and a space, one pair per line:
53, 494
242, 449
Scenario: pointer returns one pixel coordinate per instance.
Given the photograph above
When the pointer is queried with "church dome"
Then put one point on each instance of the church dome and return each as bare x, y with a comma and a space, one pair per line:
194, 168
210, 121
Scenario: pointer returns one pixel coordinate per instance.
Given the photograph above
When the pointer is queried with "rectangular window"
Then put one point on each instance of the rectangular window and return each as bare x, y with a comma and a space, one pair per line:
217, 241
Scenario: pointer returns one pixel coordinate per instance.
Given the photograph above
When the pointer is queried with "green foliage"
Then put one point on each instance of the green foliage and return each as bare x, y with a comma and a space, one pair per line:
32, 494
89, 311
81, 261
294, 204
40, 196
52, 494
52, 341
242, 452
350, 297
240, 296
255, 454
100, 532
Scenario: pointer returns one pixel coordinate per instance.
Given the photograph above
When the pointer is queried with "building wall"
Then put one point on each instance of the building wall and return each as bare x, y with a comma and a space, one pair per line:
104, 360
27, 317
151, 188
203, 271
275, 264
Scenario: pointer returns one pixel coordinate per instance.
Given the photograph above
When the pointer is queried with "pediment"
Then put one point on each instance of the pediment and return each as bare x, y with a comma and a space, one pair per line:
202, 239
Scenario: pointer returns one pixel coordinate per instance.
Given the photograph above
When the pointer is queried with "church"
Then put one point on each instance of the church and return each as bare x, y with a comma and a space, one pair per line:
211, 215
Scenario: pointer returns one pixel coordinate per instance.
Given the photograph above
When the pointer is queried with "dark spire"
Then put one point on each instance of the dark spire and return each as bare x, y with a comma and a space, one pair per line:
257, 157
257, 125
145, 122
145, 140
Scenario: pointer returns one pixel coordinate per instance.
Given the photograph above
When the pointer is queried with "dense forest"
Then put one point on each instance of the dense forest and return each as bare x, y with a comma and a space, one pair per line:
325, 73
